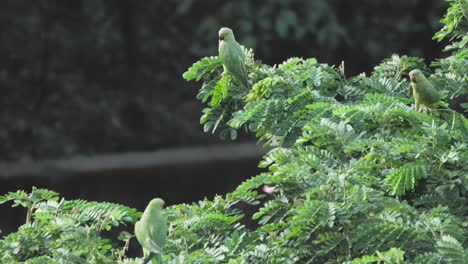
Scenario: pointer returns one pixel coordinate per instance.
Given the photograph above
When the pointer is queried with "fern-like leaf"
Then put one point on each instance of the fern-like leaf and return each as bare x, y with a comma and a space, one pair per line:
452, 250
404, 178
201, 68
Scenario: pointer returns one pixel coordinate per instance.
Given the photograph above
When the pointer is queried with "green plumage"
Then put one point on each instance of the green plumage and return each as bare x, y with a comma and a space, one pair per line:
232, 56
151, 231
425, 95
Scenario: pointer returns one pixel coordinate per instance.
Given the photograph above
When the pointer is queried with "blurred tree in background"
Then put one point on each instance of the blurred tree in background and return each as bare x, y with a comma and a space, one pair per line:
91, 76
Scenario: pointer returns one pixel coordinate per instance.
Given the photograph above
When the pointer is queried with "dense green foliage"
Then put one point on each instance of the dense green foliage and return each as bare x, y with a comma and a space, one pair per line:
358, 175
60, 231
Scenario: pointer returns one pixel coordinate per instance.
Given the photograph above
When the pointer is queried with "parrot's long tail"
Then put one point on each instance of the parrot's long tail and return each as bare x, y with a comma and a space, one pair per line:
149, 258
156, 257
245, 83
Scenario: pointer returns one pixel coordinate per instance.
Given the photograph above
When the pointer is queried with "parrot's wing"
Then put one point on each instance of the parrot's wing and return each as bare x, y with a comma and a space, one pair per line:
431, 95
224, 55
138, 232
154, 247
244, 73
157, 233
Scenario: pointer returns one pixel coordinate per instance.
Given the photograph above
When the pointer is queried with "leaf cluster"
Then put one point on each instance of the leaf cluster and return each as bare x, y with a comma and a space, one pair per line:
61, 231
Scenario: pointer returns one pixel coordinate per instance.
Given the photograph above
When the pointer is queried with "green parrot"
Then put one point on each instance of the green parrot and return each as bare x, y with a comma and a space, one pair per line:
151, 231
425, 95
232, 56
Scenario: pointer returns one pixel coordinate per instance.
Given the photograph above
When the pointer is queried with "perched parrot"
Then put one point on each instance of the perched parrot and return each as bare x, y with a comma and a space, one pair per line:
232, 56
151, 231
425, 95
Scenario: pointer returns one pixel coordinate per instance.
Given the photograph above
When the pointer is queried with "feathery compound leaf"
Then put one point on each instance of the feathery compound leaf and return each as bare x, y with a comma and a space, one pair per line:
392, 256
328, 241
376, 234
248, 55
263, 88
396, 67
220, 91
201, 68
429, 258
452, 250
404, 178
388, 86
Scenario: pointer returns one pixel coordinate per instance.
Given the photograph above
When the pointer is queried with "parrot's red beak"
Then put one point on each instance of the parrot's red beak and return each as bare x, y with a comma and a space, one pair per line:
413, 79
220, 38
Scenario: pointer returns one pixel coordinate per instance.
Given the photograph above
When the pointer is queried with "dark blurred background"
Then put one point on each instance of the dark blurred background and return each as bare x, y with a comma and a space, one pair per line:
87, 77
